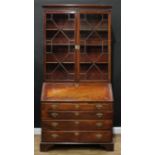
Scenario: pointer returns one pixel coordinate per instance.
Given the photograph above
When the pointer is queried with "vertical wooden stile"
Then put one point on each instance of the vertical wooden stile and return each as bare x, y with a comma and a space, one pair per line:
109, 47
44, 45
103, 36
77, 43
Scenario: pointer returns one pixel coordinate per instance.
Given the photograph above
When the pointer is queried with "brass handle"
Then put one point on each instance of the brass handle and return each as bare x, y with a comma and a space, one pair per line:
99, 124
77, 47
54, 124
98, 106
98, 136
99, 115
76, 113
54, 135
76, 122
76, 133
54, 114
77, 106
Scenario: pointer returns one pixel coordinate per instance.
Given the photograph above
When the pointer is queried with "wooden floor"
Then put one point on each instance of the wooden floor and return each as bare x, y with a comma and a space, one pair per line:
78, 149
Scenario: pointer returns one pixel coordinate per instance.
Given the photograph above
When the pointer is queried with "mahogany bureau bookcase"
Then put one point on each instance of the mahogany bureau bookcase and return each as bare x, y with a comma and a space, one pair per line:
77, 99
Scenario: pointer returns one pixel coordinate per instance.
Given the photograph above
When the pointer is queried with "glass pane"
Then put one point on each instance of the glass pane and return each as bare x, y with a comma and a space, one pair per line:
93, 51
60, 47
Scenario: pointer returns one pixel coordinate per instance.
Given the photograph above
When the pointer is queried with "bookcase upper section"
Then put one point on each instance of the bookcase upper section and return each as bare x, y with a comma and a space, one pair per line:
77, 43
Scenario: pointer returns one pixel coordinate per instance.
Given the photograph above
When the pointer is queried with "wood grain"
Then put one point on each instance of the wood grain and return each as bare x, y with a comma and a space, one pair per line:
69, 115
61, 106
76, 125
77, 49
76, 30
77, 92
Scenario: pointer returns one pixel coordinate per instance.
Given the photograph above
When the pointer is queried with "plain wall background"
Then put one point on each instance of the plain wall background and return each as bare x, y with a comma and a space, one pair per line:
116, 52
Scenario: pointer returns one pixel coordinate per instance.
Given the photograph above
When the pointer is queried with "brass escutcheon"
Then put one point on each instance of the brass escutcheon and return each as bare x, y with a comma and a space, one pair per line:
77, 106
54, 135
76, 133
99, 124
77, 47
99, 136
76, 113
54, 124
54, 106
54, 114
76, 122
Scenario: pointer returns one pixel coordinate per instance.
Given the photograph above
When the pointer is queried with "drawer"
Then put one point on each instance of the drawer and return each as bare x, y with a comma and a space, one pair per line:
77, 106
83, 137
54, 115
77, 125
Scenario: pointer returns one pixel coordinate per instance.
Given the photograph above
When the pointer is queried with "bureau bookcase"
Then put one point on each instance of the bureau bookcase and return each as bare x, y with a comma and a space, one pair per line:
77, 99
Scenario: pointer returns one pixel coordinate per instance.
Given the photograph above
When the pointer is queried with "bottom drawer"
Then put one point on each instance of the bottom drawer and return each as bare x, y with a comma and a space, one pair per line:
77, 136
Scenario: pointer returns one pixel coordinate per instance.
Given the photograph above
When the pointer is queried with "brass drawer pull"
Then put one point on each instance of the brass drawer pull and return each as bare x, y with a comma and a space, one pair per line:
54, 114
98, 106
76, 122
54, 135
54, 124
77, 106
76, 134
99, 115
98, 136
76, 113
99, 124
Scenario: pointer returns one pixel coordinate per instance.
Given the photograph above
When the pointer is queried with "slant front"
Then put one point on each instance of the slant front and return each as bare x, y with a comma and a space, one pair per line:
77, 92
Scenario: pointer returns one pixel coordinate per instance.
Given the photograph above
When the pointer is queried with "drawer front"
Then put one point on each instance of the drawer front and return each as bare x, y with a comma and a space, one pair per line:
77, 106
83, 137
54, 115
77, 125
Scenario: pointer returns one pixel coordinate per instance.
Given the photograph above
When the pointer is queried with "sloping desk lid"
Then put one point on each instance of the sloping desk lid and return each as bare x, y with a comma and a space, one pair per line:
77, 92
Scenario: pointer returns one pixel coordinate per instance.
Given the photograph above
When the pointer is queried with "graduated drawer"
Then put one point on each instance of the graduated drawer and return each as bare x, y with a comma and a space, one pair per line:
53, 115
83, 137
77, 106
77, 125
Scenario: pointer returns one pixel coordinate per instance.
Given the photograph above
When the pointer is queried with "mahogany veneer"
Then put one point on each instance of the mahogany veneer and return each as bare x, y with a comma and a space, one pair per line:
77, 92
77, 99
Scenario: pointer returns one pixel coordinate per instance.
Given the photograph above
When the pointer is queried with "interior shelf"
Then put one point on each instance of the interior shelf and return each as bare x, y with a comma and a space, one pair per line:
67, 25
49, 43
62, 25
71, 29
60, 42
72, 42
52, 62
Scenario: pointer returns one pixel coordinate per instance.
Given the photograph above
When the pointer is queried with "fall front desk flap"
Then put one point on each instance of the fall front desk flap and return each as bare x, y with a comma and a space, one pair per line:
77, 92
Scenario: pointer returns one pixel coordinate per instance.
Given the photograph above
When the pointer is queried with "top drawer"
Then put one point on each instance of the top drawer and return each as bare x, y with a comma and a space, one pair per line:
77, 106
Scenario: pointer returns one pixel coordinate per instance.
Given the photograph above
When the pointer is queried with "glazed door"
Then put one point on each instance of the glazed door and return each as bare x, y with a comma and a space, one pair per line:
94, 47
77, 46
59, 46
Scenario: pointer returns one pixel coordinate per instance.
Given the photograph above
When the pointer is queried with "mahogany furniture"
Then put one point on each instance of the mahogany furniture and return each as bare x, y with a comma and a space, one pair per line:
77, 99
